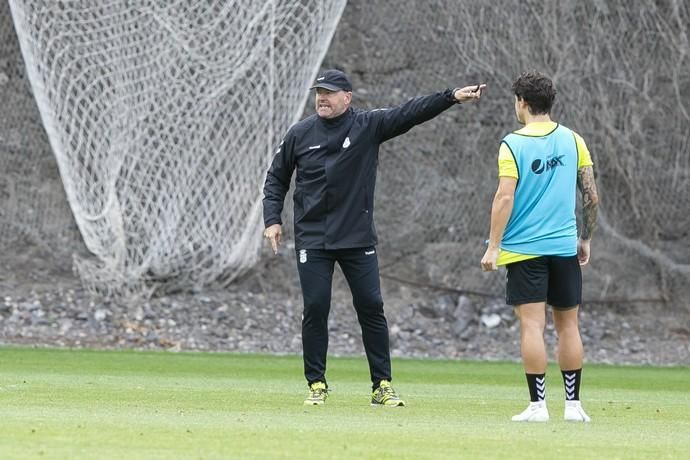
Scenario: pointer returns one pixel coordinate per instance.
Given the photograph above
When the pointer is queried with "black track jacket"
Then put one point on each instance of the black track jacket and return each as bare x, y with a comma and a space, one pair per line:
336, 162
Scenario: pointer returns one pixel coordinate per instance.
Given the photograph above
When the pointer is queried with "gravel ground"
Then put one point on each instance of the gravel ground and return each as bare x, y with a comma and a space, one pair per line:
422, 324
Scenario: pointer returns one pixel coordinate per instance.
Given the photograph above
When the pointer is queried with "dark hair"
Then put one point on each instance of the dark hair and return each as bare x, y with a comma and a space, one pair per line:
537, 90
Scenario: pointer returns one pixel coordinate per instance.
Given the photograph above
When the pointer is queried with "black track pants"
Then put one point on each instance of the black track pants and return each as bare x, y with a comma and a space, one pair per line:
361, 269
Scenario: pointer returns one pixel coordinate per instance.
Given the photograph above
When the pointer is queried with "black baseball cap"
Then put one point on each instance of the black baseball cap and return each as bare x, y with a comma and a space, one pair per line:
333, 80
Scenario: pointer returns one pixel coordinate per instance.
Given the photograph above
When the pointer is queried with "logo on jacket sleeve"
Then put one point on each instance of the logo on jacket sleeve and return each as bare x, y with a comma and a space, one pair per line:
302, 256
346, 144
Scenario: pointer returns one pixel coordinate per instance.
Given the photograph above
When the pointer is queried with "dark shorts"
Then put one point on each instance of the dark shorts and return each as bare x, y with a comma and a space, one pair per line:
553, 279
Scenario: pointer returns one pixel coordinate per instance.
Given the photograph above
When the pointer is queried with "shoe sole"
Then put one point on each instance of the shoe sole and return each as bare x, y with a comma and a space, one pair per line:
401, 404
576, 420
531, 420
534, 419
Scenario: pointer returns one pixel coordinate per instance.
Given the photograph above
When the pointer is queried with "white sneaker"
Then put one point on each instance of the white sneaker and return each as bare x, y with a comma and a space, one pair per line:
574, 412
535, 412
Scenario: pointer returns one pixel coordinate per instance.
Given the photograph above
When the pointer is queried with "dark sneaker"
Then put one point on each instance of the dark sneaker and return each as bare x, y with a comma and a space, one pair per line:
318, 392
385, 395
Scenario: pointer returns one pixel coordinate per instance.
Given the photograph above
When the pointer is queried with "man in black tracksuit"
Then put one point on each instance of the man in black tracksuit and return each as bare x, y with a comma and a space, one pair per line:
335, 152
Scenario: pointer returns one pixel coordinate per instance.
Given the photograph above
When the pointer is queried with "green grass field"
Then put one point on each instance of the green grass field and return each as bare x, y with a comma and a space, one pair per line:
154, 405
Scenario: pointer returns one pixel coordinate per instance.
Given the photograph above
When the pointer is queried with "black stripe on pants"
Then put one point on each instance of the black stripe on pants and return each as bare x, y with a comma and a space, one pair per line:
361, 269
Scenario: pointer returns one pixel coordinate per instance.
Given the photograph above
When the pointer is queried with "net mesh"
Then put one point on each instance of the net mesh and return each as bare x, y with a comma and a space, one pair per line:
162, 116
35, 221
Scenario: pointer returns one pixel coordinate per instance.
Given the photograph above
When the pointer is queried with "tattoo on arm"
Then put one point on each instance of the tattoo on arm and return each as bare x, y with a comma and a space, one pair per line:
590, 200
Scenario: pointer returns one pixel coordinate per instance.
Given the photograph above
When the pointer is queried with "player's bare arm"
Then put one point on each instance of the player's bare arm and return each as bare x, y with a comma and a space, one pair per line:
501, 208
590, 201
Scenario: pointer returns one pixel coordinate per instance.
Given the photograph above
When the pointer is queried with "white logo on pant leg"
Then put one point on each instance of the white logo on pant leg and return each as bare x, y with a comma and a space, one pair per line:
302, 256
346, 144
368, 253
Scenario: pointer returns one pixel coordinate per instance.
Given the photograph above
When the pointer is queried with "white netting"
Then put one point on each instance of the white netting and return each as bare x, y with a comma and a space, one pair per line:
621, 68
162, 116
